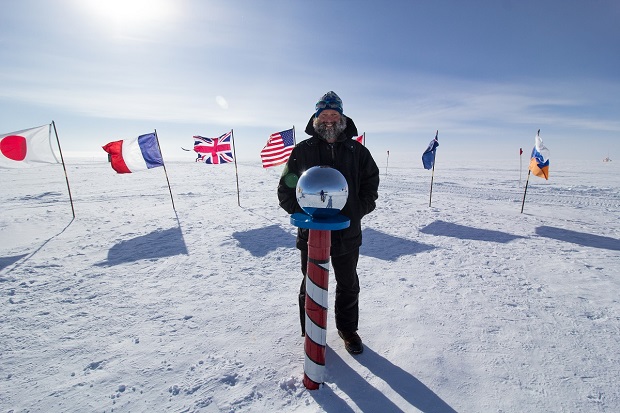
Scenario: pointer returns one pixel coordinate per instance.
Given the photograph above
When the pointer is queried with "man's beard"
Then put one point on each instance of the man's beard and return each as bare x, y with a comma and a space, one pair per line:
330, 134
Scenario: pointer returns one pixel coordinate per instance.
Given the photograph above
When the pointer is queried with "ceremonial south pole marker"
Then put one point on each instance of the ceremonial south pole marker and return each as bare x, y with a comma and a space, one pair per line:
321, 192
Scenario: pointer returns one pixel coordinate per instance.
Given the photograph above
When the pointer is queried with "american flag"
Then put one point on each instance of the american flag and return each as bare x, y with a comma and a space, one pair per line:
278, 148
214, 150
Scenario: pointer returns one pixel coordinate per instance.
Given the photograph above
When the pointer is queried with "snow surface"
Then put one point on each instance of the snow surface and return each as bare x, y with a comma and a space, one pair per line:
466, 306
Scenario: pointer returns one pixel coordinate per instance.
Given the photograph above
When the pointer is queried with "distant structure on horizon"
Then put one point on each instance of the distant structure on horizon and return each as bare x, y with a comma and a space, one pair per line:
607, 159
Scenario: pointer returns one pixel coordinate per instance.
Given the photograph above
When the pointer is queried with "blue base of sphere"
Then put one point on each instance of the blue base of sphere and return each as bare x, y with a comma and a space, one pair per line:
321, 213
331, 223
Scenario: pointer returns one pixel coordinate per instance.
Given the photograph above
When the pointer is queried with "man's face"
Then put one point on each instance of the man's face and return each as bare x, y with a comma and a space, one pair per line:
329, 125
329, 117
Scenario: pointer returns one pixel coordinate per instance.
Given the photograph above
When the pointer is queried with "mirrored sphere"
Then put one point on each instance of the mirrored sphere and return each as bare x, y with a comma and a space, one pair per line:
322, 191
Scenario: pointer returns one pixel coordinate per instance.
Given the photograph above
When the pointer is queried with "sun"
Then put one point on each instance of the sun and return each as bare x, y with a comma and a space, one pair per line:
129, 13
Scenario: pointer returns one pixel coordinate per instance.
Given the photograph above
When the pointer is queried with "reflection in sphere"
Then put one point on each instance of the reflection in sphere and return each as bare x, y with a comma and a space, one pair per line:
322, 191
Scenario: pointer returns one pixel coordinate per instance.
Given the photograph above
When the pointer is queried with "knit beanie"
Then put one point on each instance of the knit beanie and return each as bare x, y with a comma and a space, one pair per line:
330, 100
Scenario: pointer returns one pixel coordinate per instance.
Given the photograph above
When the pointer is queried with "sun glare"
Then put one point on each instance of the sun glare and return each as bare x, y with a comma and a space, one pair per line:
125, 14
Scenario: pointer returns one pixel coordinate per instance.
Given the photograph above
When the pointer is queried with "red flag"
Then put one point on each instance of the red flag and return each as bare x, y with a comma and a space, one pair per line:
520, 151
360, 139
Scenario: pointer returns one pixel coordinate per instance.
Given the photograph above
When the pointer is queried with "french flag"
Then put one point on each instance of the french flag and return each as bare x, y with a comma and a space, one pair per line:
133, 155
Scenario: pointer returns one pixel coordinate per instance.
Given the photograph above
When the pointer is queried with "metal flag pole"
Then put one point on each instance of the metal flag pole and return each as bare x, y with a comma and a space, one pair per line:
520, 165
430, 197
165, 171
529, 171
525, 192
64, 168
232, 136
364, 139
294, 141
387, 162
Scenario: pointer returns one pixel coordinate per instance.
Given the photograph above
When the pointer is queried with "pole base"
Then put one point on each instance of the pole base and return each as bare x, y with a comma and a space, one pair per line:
311, 385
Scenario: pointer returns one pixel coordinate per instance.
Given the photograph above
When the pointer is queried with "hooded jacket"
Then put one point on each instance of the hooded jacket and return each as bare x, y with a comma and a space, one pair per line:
356, 164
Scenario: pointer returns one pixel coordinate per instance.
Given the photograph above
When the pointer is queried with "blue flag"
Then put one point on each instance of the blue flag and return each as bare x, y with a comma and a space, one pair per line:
428, 157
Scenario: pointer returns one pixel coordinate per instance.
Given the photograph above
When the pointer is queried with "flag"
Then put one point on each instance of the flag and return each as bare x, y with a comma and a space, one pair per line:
539, 162
360, 139
278, 148
520, 151
27, 147
135, 155
214, 151
428, 157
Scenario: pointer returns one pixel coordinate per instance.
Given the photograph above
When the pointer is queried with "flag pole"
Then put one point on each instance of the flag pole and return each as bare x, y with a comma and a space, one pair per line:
232, 135
387, 162
165, 171
430, 196
520, 165
64, 168
364, 139
525, 192
294, 141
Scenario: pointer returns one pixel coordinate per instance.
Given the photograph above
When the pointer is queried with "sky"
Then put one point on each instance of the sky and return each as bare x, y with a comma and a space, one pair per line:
486, 74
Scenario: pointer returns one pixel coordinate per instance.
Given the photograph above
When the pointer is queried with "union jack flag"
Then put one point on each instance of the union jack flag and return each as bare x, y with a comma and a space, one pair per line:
214, 150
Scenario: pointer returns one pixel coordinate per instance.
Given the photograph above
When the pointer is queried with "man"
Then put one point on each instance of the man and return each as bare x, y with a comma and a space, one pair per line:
331, 145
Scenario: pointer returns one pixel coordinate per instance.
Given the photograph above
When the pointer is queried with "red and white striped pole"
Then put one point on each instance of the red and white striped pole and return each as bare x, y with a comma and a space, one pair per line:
317, 279
321, 192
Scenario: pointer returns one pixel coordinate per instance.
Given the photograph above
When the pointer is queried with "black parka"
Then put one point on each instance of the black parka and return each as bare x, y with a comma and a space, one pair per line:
354, 161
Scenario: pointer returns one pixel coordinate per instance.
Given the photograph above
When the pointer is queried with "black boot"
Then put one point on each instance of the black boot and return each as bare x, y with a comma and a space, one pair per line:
352, 341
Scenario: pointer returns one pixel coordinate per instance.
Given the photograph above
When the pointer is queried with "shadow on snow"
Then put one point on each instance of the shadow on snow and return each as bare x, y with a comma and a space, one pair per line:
157, 244
448, 229
366, 396
261, 241
579, 238
387, 247
6, 261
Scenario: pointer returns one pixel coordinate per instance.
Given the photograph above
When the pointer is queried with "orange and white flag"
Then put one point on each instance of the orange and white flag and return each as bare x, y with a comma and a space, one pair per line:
539, 162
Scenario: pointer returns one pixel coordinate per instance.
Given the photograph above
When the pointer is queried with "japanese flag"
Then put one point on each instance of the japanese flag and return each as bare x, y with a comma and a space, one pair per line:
27, 147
